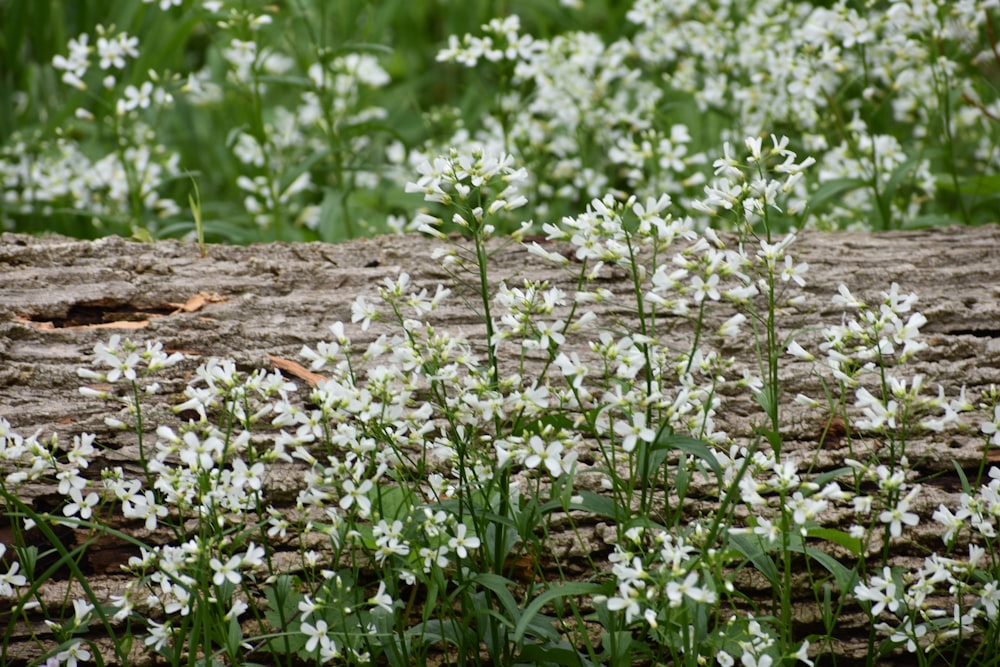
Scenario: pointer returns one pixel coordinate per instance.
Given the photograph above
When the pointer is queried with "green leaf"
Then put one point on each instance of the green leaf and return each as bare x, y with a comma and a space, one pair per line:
553, 654
569, 589
282, 603
852, 544
846, 578
682, 478
829, 618
300, 168
619, 641
899, 174
763, 399
751, 549
643, 521
969, 184
282, 608
589, 502
15, 507
930, 220
394, 502
331, 229
773, 438
142, 234
437, 629
823, 479
230, 230
693, 446
234, 637
831, 189
558, 421
500, 587
966, 487
395, 646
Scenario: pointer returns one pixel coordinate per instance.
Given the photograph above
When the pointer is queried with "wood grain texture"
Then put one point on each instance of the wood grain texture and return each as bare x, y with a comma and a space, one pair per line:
270, 300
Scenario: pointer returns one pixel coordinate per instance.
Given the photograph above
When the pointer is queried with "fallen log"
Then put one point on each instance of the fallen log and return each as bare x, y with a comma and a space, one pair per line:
260, 305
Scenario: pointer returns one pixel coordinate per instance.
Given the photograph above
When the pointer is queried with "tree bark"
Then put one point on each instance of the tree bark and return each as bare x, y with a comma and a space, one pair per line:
59, 297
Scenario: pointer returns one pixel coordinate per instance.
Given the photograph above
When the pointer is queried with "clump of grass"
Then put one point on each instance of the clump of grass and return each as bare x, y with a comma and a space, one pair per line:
446, 482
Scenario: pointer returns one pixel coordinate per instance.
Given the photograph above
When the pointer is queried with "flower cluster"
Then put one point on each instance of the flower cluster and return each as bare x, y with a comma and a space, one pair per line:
673, 579
424, 466
913, 601
58, 172
480, 183
869, 346
309, 131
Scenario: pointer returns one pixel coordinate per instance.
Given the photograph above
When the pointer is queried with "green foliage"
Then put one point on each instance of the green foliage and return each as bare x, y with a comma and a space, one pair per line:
303, 120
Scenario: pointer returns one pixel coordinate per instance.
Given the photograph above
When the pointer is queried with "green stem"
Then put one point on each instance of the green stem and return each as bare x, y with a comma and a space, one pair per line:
942, 85
786, 585
482, 257
772, 363
143, 462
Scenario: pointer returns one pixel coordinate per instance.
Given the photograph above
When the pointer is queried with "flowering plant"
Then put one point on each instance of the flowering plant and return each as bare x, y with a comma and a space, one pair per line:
534, 489
552, 483
244, 121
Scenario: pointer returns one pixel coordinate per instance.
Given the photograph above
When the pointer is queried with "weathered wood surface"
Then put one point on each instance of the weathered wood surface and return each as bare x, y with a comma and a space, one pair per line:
273, 299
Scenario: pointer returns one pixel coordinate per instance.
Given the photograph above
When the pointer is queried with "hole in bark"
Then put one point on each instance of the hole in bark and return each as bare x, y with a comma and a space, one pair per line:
978, 333
188, 415
100, 312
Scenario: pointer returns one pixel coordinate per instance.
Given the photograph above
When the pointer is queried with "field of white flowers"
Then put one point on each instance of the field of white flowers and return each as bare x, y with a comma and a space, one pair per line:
303, 120
615, 142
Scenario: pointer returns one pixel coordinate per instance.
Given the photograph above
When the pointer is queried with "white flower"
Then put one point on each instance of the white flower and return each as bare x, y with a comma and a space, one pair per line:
846, 299
316, 634
627, 600
989, 597
731, 327
381, 599
952, 522
547, 454
357, 494
794, 273
76, 65
363, 311
632, 433
73, 655
749, 659
899, 515
802, 655
10, 579
159, 635
571, 367
460, 543
992, 428
703, 288
307, 607
881, 591
242, 57
798, 351
767, 529
230, 570
238, 608
81, 505
112, 52
137, 97
254, 556
677, 590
